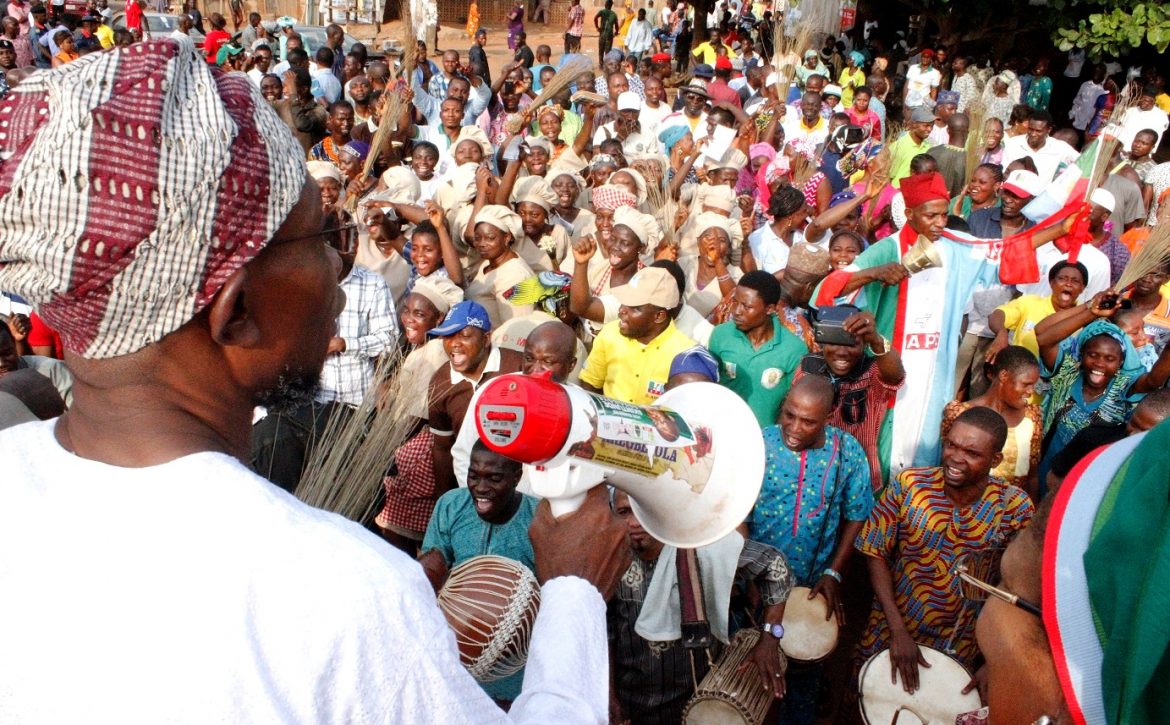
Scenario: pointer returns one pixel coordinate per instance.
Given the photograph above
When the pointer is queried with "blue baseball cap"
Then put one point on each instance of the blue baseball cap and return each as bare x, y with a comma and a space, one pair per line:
464, 314
695, 360
703, 70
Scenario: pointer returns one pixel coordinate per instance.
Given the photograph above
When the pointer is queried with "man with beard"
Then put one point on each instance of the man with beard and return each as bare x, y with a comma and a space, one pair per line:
363, 96
178, 316
488, 517
474, 360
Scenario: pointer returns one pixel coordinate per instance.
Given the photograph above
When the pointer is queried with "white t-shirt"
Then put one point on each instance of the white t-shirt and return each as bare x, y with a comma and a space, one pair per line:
197, 592
1047, 158
919, 83
1094, 260
769, 250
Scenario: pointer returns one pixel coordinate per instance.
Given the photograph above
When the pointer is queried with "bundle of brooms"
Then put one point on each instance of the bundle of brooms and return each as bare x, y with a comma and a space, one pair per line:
560, 81
977, 115
345, 470
664, 207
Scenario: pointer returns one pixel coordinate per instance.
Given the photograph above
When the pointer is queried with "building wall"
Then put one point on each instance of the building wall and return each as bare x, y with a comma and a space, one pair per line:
453, 13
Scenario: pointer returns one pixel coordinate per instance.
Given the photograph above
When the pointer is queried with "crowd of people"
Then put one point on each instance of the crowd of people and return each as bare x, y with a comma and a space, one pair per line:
864, 243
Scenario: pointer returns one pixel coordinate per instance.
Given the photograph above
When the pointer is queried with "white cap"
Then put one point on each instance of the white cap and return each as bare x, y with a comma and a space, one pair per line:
629, 101
831, 90
1023, 183
771, 80
1104, 199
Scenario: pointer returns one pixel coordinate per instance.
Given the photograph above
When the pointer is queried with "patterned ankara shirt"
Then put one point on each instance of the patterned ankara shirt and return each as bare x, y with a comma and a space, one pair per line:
369, 327
654, 680
919, 533
806, 496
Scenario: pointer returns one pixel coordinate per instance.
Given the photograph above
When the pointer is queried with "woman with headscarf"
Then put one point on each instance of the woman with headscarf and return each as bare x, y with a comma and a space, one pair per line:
1093, 370
1001, 95
710, 276
351, 159
812, 66
497, 231
682, 154
410, 484
631, 234
566, 212
534, 201
852, 77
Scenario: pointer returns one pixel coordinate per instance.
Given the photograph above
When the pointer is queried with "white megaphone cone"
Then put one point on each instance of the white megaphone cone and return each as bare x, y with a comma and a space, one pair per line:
692, 464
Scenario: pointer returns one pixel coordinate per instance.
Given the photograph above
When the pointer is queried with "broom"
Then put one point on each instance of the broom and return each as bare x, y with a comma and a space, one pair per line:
391, 106
664, 207
563, 78
1152, 256
345, 471
975, 140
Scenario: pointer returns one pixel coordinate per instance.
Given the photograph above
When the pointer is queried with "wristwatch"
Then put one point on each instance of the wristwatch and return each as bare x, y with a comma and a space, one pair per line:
776, 630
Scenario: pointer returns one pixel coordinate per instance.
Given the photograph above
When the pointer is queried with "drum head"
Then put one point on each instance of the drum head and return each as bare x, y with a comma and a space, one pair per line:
937, 701
808, 637
711, 711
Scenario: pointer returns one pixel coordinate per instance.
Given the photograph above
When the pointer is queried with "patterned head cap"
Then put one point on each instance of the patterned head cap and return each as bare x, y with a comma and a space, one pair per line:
133, 183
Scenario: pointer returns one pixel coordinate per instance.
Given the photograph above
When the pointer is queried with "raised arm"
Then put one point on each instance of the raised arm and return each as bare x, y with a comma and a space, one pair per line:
585, 135
451, 261
582, 303
1055, 328
830, 217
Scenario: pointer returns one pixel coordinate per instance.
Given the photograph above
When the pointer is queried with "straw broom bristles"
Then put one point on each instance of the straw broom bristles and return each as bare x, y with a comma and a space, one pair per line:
391, 102
560, 81
1153, 255
1105, 150
976, 114
345, 471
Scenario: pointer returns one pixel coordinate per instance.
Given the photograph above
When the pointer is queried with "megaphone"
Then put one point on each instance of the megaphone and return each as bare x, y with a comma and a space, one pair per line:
923, 255
692, 464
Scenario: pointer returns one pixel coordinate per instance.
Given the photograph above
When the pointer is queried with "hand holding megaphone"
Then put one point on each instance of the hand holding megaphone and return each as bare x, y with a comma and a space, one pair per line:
589, 543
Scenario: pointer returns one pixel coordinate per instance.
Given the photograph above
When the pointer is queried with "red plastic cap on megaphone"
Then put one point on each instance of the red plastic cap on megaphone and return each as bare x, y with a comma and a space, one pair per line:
524, 417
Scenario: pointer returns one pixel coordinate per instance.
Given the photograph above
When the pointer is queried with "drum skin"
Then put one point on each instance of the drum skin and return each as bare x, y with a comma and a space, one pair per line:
491, 604
808, 636
937, 701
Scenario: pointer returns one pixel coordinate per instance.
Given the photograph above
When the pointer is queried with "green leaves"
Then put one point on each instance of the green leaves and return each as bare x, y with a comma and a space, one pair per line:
1115, 30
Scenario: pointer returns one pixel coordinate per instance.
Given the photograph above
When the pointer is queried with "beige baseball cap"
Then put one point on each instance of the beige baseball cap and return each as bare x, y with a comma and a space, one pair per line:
650, 286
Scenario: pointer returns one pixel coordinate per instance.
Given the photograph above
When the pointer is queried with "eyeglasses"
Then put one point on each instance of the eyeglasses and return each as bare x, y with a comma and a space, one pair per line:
977, 589
343, 238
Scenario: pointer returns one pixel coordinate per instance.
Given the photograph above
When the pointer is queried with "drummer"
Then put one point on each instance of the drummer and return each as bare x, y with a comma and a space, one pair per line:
924, 521
654, 675
815, 497
488, 517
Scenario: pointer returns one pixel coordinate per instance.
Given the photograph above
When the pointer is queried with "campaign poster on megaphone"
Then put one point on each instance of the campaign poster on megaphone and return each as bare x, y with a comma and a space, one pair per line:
649, 441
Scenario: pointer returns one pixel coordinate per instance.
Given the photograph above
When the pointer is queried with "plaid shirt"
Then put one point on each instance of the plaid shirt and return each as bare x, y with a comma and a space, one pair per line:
369, 326
437, 86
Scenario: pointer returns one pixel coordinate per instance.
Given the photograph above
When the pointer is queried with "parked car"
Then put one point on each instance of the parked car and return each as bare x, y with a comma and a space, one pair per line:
314, 38
157, 25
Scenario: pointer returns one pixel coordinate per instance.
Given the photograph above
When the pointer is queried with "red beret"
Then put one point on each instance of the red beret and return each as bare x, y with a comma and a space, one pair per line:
660, 58
921, 188
723, 63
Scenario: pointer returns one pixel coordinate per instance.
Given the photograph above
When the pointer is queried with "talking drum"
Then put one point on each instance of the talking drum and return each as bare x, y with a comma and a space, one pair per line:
727, 697
808, 636
937, 701
491, 604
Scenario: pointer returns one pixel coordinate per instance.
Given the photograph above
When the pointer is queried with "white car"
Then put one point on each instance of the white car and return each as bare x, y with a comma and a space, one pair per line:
157, 25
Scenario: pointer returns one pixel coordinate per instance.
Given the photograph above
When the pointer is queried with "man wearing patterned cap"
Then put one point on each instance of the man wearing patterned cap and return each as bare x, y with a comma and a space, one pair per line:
921, 314
183, 264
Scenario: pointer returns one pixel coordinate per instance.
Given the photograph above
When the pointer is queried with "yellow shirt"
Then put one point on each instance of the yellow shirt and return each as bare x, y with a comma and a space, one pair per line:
627, 370
1021, 316
707, 51
1162, 100
858, 80
105, 35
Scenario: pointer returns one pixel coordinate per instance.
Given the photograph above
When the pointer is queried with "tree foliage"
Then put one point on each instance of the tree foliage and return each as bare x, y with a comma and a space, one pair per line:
1112, 29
